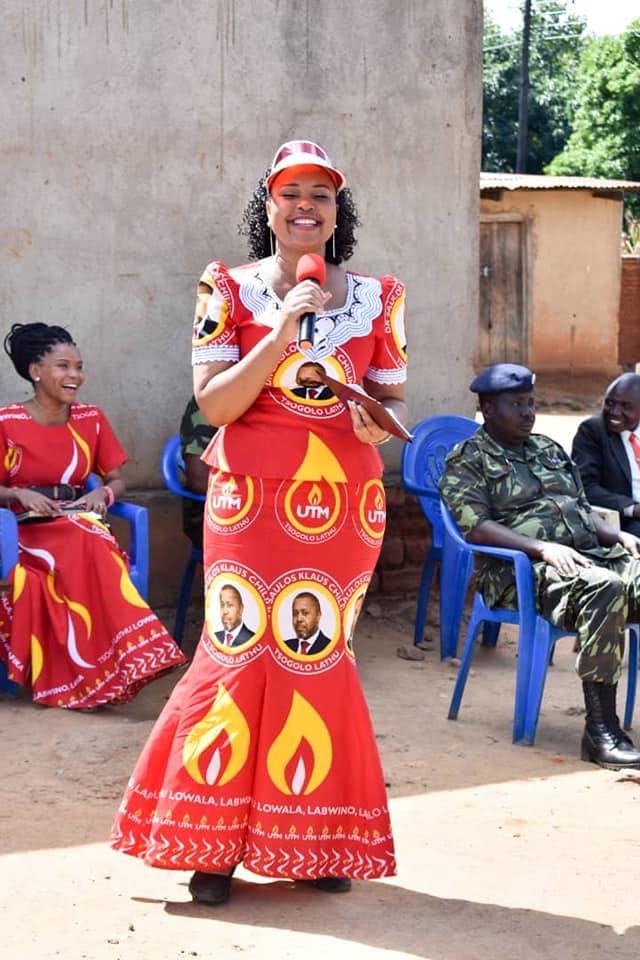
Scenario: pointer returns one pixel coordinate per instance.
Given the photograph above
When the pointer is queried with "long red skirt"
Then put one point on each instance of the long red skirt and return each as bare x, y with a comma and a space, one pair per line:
75, 629
265, 755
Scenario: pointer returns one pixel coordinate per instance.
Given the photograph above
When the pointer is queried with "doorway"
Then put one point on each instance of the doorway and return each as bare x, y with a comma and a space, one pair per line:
502, 328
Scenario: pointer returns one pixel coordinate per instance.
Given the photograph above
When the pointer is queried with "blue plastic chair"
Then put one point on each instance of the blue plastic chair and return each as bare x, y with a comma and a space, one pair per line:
537, 638
138, 519
8, 560
422, 466
172, 468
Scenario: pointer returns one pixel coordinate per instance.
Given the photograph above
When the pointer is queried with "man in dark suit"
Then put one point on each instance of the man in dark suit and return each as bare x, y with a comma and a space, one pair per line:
235, 632
607, 451
310, 385
305, 616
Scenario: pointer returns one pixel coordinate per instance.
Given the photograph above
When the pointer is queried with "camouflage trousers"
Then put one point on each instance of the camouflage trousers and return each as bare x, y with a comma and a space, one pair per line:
596, 604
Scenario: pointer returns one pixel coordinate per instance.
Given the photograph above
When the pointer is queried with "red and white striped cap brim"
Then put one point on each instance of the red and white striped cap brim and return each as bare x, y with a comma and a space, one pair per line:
303, 153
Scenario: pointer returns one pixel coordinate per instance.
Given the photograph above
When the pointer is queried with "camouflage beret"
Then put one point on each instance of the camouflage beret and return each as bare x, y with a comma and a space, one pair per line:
502, 377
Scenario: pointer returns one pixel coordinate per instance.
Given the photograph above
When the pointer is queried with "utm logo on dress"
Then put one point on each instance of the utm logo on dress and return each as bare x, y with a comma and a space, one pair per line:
372, 512
232, 502
310, 510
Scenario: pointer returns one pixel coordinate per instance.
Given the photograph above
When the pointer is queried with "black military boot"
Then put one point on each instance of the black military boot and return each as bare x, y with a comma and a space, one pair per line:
603, 741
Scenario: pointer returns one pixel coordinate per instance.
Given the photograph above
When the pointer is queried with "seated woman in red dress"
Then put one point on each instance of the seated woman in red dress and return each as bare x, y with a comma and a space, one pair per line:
75, 629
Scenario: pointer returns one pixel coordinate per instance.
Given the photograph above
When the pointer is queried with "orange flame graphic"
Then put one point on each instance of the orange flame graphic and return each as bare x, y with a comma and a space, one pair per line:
224, 720
379, 502
229, 488
315, 494
304, 724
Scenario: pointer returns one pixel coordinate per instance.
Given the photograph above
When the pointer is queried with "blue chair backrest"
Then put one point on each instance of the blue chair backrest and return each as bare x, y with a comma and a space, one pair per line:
8, 542
172, 469
423, 460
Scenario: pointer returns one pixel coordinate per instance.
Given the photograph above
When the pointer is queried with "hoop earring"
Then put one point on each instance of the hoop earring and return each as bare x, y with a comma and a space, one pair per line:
333, 243
272, 242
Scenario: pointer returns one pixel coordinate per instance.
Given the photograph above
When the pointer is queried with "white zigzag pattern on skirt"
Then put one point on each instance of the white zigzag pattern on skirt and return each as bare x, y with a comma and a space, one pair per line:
351, 863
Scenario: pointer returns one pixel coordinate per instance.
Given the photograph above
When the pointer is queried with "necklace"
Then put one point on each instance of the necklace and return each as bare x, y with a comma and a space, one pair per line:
61, 415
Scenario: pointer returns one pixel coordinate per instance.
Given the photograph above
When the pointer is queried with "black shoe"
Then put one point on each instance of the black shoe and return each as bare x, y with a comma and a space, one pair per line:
603, 741
331, 884
609, 752
211, 888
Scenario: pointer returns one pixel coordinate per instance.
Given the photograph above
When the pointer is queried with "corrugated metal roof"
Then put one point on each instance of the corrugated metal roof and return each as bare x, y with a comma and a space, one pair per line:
530, 181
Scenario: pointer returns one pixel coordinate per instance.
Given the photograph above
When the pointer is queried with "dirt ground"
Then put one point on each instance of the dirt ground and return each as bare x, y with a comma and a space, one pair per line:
503, 851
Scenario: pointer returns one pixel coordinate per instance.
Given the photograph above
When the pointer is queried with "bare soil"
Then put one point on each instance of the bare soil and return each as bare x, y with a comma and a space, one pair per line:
504, 851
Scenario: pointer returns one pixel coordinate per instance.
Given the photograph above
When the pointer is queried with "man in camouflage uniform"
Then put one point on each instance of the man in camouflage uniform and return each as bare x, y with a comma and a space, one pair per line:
509, 488
195, 435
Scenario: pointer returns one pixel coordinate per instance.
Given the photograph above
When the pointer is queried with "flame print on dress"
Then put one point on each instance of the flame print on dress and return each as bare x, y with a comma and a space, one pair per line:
84, 447
372, 512
311, 506
37, 657
320, 461
78, 609
217, 747
127, 588
229, 499
300, 757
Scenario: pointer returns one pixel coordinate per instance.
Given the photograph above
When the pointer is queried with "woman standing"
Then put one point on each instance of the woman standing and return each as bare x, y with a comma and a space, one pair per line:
265, 753
75, 630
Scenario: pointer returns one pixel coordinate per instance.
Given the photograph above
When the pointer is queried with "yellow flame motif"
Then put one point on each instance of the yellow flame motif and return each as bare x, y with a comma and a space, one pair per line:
224, 717
303, 723
379, 502
315, 494
10, 458
230, 487
84, 446
127, 588
51, 586
37, 658
19, 580
320, 461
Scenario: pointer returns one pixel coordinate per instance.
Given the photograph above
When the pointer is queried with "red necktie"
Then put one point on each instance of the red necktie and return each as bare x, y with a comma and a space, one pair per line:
635, 446
305, 646
229, 639
312, 393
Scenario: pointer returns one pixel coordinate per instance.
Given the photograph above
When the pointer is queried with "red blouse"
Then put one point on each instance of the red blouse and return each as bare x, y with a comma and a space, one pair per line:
292, 429
32, 454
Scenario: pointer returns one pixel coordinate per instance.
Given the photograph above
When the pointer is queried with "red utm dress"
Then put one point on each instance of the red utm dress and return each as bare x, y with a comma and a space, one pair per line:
265, 754
75, 629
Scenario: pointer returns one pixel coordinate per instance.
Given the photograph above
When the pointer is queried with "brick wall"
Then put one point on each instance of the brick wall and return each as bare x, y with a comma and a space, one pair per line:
629, 314
406, 541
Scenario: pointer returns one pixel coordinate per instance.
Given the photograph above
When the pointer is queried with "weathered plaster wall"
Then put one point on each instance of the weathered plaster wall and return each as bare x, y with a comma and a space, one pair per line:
133, 134
573, 277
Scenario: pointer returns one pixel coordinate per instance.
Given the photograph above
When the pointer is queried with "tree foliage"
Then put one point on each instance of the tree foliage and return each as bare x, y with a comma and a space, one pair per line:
605, 116
557, 40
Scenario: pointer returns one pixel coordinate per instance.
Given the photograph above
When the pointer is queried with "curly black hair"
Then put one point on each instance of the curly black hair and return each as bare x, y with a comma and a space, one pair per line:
256, 229
26, 343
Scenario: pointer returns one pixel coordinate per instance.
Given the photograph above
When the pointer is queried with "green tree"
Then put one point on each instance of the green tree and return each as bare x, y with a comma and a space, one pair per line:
605, 139
557, 39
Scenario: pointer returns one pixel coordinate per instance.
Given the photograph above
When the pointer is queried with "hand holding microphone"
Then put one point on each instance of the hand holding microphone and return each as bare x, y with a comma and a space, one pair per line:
311, 266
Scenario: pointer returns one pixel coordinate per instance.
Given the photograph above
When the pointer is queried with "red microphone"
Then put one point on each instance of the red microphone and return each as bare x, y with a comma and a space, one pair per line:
311, 266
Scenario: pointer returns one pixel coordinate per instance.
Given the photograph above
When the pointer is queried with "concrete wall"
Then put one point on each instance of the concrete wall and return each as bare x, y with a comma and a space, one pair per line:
573, 277
133, 134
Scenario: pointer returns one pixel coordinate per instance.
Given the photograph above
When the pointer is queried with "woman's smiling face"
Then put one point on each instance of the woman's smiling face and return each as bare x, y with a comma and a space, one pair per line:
60, 372
301, 209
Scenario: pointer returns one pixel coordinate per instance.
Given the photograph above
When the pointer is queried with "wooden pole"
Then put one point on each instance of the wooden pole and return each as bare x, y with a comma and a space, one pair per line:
523, 103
